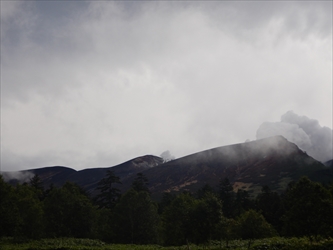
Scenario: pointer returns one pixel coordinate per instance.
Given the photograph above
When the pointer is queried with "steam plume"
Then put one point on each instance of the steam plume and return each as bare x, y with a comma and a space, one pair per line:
306, 133
166, 156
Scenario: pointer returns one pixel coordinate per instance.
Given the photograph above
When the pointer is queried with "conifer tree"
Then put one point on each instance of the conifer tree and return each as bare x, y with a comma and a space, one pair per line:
108, 192
270, 205
37, 184
227, 196
140, 183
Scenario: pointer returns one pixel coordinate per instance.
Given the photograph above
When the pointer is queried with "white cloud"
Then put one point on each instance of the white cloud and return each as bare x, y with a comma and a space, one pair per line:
306, 133
108, 81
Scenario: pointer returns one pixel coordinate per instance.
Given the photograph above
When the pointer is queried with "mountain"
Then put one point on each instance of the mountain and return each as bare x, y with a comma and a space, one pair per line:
272, 161
329, 163
87, 178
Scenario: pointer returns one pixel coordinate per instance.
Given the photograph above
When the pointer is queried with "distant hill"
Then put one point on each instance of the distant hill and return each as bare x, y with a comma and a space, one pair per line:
329, 163
87, 178
272, 161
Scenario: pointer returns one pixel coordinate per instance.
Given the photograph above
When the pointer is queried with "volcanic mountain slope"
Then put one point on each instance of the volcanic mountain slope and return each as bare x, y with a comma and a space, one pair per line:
88, 178
271, 161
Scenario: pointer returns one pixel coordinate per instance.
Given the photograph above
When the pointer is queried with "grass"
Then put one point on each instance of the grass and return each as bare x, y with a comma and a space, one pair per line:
277, 243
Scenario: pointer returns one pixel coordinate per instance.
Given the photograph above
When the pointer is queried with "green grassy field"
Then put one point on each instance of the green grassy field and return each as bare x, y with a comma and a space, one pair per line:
88, 244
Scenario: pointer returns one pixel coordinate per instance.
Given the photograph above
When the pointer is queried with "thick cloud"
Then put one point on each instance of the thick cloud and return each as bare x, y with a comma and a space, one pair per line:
306, 133
96, 83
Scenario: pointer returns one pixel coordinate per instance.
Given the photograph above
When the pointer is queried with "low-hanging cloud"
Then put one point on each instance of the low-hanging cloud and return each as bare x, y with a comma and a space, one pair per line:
19, 176
305, 132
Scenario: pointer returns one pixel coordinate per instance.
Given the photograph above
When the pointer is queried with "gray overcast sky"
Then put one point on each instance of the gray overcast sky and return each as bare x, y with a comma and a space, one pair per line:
94, 84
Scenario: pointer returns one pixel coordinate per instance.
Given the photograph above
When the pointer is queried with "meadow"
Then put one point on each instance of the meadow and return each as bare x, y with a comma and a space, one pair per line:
276, 243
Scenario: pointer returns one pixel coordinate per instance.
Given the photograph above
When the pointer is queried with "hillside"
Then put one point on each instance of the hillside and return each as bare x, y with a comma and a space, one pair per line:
272, 161
88, 178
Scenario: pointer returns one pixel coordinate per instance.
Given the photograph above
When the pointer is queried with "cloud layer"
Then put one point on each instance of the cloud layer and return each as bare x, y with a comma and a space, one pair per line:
87, 84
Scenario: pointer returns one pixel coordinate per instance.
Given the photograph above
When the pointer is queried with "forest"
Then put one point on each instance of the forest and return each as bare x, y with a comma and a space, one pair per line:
212, 215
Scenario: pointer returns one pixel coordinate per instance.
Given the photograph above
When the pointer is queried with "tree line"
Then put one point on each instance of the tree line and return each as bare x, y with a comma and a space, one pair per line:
30, 211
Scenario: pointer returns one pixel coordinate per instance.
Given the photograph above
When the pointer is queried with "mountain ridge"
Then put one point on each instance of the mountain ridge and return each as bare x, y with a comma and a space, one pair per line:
272, 161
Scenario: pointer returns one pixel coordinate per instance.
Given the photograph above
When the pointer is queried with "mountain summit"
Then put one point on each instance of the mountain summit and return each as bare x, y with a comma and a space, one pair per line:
272, 161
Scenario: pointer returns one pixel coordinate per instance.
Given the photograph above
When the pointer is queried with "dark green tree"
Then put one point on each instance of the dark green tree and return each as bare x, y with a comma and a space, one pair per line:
242, 203
166, 200
206, 217
140, 183
69, 213
104, 226
176, 220
204, 191
252, 225
136, 219
309, 210
48, 190
108, 191
21, 212
269, 204
30, 211
37, 184
227, 196
9, 212
226, 231
330, 189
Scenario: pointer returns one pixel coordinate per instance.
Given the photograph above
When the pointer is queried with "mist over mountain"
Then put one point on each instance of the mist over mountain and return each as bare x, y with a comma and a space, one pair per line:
306, 133
87, 178
20, 176
272, 161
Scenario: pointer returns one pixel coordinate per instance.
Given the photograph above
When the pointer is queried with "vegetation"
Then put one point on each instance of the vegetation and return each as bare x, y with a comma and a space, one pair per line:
276, 243
108, 192
31, 215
